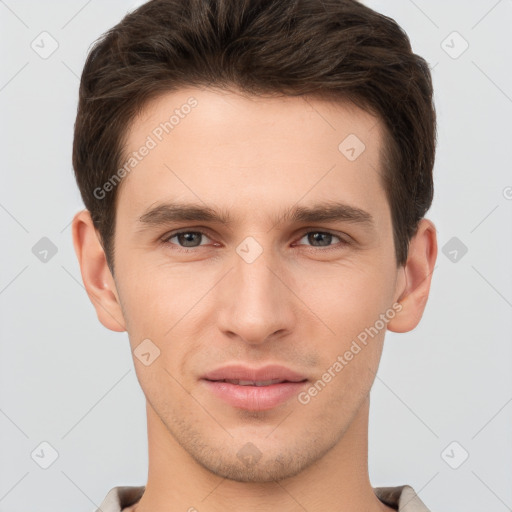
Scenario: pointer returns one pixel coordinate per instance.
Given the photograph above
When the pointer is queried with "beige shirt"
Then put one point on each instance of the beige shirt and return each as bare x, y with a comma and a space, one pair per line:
402, 498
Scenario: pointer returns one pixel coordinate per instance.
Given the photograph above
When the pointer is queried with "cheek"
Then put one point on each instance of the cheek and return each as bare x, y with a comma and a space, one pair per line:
347, 297
164, 304
349, 340
144, 307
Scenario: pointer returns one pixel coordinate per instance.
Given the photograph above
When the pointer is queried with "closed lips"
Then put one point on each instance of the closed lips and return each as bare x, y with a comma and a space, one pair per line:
247, 376
239, 382
254, 389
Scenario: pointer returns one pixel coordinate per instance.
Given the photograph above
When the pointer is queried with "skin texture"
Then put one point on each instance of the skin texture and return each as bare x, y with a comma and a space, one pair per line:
298, 304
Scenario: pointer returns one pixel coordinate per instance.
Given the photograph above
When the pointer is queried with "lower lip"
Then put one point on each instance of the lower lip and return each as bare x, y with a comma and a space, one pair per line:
255, 398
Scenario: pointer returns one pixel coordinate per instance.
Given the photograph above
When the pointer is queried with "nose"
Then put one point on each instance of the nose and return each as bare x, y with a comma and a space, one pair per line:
255, 301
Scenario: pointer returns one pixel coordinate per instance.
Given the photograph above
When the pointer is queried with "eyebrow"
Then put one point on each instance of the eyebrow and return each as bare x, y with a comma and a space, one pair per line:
329, 211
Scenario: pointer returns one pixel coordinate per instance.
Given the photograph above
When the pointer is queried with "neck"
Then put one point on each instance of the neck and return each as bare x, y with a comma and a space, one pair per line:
338, 481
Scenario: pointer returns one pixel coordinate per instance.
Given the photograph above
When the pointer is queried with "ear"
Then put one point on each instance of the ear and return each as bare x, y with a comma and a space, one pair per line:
416, 275
96, 275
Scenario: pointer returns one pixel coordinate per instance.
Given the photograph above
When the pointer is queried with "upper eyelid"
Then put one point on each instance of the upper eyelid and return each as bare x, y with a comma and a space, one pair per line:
303, 233
172, 234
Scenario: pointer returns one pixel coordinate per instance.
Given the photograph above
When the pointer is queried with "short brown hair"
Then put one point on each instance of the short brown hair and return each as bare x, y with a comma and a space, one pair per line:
336, 48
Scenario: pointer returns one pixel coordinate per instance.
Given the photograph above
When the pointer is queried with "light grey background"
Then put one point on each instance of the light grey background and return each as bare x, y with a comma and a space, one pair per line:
67, 381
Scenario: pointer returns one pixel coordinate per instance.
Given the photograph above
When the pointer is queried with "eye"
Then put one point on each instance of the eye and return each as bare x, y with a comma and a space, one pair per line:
185, 239
322, 239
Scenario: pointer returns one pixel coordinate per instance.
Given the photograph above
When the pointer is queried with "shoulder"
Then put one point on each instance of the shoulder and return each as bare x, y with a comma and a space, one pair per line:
119, 498
402, 498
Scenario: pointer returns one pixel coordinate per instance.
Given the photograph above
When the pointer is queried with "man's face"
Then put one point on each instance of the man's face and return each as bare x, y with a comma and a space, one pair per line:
265, 288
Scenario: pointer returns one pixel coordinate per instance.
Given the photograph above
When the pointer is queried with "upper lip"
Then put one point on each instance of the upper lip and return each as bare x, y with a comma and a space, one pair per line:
269, 372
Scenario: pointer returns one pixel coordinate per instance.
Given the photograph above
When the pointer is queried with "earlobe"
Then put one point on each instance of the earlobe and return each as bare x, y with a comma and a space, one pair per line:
96, 275
417, 276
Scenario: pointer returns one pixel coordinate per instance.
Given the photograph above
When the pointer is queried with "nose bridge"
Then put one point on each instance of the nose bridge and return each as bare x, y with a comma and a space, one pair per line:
255, 303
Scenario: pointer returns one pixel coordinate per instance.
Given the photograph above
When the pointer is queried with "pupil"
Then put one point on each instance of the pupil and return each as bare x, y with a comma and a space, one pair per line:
317, 237
187, 239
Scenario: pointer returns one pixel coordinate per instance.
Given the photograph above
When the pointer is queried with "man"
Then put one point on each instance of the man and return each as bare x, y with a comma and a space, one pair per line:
256, 175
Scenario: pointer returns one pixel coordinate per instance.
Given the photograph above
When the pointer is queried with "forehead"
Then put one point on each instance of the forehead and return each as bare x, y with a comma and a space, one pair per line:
233, 151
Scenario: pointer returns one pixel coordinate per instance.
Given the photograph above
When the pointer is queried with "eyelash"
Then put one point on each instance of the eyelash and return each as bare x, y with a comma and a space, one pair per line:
178, 248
